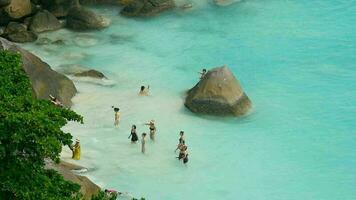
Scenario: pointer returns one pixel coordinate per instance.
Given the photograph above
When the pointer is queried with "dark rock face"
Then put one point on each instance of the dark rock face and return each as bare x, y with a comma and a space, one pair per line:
90, 73
58, 8
44, 80
17, 32
88, 188
82, 19
147, 7
218, 93
4, 2
44, 21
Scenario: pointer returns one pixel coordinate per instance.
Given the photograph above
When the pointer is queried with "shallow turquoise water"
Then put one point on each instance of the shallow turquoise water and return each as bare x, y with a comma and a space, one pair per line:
296, 61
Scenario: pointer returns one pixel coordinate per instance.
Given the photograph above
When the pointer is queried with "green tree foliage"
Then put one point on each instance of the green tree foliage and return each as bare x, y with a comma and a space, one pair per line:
30, 132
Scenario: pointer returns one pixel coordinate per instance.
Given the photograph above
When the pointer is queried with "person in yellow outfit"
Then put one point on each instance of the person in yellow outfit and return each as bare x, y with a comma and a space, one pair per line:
76, 152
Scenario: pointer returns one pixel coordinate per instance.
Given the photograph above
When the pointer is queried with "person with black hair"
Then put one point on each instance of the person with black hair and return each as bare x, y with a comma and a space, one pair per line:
144, 91
117, 115
133, 134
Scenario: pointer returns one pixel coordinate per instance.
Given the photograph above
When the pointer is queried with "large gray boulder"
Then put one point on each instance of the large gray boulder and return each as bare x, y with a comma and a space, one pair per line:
218, 93
81, 19
44, 21
147, 7
44, 80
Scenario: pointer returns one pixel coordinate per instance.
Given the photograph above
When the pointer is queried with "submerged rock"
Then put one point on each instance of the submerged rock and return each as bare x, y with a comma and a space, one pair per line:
44, 21
218, 93
82, 19
85, 40
225, 2
147, 7
88, 188
44, 80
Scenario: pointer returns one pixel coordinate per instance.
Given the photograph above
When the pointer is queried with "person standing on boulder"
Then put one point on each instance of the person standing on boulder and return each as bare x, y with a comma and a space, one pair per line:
117, 115
152, 128
202, 74
133, 134
143, 143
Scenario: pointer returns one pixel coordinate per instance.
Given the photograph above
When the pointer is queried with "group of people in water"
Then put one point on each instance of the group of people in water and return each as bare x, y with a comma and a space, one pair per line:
182, 147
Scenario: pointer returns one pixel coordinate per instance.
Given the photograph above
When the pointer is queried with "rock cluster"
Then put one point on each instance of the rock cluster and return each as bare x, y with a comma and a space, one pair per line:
24, 19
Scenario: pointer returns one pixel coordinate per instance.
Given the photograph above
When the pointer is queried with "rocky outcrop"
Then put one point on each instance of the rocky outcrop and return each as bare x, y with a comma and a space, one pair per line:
80, 18
147, 7
44, 21
88, 188
17, 32
18, 8
44, 80
218, 93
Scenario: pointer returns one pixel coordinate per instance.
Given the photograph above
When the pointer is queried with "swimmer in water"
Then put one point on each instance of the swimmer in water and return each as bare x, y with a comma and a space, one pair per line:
133, 134
152, 128
143, 143
117, 115
144, 91
181, 140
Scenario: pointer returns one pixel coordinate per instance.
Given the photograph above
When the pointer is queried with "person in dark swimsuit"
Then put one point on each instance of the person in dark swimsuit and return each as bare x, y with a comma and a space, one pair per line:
181, 140
133, 134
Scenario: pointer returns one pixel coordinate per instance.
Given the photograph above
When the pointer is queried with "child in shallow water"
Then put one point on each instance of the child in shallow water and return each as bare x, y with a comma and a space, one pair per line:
143, 143
144, 91
117, 115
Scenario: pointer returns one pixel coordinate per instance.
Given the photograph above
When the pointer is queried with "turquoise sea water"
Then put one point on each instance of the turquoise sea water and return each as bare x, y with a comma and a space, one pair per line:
296, 61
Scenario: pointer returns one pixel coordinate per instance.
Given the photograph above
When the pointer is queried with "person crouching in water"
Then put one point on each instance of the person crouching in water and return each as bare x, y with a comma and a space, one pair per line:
143, 143
181, 140
133, 134
144, 91
152, 128
117, 116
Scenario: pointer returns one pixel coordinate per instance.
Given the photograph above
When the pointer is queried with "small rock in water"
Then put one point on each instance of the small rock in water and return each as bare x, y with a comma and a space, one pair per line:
186, 6
43, 41
225, 2
85, 40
